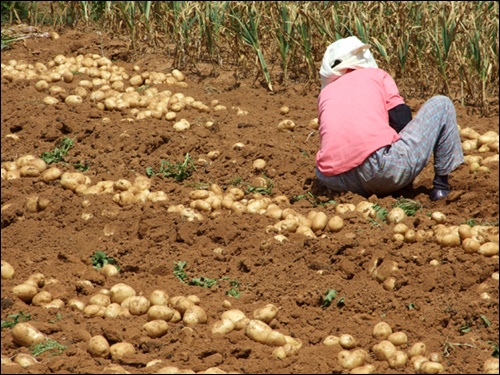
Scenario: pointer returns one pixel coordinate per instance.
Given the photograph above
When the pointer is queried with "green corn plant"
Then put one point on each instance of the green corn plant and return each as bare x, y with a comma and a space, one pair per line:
249, 33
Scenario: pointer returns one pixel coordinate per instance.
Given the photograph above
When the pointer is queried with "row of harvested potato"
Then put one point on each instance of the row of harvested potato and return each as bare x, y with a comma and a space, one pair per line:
386, 350
99, 68
125, 192
472, 140
477, 163
480, 239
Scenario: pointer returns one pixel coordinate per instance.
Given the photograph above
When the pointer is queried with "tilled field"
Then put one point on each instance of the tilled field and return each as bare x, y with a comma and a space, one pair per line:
436, 294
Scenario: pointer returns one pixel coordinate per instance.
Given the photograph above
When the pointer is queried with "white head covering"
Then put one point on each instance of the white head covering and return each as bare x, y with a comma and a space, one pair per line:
351, 52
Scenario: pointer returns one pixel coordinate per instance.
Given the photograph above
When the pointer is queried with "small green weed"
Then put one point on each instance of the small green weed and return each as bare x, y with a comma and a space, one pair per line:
410, 207
59, 152
329, 297
463, 330
411, 306
311, 198
495, 351
204, 282
179, 171
381, 212
100, 259
236, 181
17, 318
82, 167
234, 291
58, 317
268, 190
142, 88
485, 320
47, 345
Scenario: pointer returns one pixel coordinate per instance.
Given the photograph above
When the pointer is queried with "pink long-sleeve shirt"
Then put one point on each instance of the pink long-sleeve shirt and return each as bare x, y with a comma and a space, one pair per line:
354, 119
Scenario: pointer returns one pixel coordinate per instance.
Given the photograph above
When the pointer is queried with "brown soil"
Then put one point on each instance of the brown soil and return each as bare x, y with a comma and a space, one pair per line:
147, 239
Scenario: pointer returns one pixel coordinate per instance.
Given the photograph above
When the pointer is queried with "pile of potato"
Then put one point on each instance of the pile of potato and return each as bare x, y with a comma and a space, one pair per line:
386, 350
258, 330
125, 192
472, 141
110, 87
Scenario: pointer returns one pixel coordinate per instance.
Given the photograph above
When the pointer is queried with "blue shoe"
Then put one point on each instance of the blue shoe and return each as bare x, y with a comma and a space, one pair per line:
437, 194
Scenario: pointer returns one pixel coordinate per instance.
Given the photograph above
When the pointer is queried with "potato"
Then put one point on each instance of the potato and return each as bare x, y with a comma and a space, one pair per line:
38, 279
342, 355
181, 304
384, 271
12, 175
366, 209
119, 292
331, 340
438, 217
355, 359
120, 350
275, 338
435, 357
284, 110
71, 181
99, 299
158, 297
41, 298
7, 271
113, 310
223, 326
122, 185
418, 348
398, 360
157, 196
155, 328
233, 315
109, 270
98, 347
266, 314
161, 312
396, 215
29, 171
55, 304
384, 350
50, 174
449, 240
194, 315
73, 99
257, 205
181, 126
366, 369
431, 368
490, 366
488, 249
259, 164
305, 230
92, 311
138, 305
25, 292
258, 331
41, 85
400, 229
25, 360
286, 125
279, 353
347, 342
24, 334
389, 284
273, 212
319, 222
471, 246
335, 224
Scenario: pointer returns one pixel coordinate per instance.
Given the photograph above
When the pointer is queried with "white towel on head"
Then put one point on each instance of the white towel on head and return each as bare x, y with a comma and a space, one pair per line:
352, 54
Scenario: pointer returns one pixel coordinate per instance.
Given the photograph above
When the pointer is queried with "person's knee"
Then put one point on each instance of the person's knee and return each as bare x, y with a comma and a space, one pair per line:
441, 101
